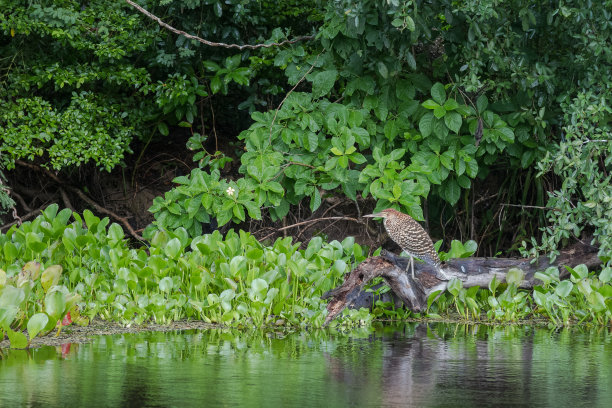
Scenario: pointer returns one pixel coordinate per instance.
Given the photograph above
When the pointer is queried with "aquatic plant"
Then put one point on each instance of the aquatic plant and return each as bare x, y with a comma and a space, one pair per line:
63, 267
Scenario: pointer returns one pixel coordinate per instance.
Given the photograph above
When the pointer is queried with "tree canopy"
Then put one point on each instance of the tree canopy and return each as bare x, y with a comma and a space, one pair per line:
402, 102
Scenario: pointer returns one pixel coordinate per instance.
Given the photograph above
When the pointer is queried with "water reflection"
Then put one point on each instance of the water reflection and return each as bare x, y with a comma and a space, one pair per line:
408, 365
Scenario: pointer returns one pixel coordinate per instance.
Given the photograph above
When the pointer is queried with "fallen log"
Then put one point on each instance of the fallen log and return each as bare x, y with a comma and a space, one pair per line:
413, 293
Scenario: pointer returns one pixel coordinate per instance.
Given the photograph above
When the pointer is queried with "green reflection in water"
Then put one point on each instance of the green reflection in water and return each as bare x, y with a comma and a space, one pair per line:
406, 365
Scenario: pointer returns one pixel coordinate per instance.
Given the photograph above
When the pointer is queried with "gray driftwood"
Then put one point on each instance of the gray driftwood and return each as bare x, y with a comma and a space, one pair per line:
413, 293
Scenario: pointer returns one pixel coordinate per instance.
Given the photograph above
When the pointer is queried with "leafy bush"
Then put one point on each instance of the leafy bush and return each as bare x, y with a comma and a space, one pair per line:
583, 161
109, 74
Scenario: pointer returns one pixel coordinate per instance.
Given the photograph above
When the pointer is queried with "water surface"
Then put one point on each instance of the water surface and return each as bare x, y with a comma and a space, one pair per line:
419, 365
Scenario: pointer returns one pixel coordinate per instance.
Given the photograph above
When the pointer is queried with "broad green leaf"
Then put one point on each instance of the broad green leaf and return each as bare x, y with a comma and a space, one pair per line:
515, 275
454, 286
18, 339
391, 129
254, 254
470, 248
322, 82
579, 272
315, 199
50, 276
438, 93
447, 159
36, 324
605, 276
163, 129
456, 250
439, 112
464, 181
540, 298
166, 284
115, 232
481, 103
238, 264
55, 304
10, 251
597, 301
430, 104
450, 104
564, 288
382, 69
173, 248
432, 296
7, 315
215, 84
339, 266
426, 124
493, 284
218, 9
505, 134
409, 23
259, 285
451, 191
453, 121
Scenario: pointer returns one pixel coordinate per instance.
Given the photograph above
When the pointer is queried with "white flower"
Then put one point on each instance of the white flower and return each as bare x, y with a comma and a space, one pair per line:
230, 190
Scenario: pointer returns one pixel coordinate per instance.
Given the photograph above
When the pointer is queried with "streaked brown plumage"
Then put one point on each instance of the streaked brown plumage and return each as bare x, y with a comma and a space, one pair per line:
410, 236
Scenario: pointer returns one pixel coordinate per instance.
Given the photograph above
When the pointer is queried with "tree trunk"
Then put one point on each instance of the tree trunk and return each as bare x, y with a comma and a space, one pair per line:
471, 271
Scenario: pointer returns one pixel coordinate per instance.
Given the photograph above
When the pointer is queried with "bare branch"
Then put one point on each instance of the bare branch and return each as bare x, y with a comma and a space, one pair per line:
85, 198
311, 222
211, 43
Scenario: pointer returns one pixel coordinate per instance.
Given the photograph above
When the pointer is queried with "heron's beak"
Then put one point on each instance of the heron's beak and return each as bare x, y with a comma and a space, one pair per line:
373, 215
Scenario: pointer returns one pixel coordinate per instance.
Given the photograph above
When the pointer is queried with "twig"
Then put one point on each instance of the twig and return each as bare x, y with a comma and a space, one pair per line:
16, 217
214, 126
211, 43
66, 200
85, 198
22, 218
301, 164
537, 207
310, 222
21, 200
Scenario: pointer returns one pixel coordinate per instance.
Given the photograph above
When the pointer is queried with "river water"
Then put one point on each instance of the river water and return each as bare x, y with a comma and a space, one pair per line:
408, 365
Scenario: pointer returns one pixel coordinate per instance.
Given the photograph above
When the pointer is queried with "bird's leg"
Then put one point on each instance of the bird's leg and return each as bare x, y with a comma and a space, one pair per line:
412, 266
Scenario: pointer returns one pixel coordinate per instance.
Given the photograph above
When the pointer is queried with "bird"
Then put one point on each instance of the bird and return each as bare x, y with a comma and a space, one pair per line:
411, 237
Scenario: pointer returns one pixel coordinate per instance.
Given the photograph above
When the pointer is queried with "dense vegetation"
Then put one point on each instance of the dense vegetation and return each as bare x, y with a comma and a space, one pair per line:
449, 111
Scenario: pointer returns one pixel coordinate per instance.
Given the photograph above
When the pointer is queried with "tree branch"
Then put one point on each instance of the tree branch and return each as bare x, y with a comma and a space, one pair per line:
211, 43
311, 222
471, 271
85, 198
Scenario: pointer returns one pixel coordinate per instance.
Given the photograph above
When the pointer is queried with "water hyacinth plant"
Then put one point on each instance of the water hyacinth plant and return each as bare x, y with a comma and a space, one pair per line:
63, 267
231, 280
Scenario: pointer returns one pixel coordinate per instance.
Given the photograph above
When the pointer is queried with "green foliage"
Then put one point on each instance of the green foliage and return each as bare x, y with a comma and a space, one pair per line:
457, 250
584, 296
85, 130
201, 194
6, 201
33, 300
583, 161
109, 73
231, 280
85, 268
312, 146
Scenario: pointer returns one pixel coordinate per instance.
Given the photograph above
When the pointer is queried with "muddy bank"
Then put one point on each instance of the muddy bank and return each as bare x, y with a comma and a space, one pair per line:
98, 327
